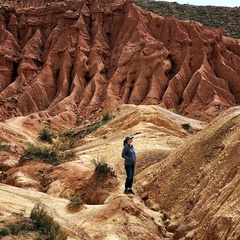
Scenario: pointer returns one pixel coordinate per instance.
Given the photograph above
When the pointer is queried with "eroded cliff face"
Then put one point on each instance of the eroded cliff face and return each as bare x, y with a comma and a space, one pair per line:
62, 60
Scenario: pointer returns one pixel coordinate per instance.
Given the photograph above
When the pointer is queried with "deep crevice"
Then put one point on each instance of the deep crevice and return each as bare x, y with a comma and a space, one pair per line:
14, 72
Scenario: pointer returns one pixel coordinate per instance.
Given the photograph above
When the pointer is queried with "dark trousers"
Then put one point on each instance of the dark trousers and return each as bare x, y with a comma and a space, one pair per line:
130, 173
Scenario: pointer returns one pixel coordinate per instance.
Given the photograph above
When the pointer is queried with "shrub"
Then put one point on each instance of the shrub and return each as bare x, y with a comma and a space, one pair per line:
4, 147
64, 143
4, 232
46, 135
106, 115
46, 224
44, 154
70, 154
186, 126
81, 133
102, 170
20, 226
75, 204
61, 150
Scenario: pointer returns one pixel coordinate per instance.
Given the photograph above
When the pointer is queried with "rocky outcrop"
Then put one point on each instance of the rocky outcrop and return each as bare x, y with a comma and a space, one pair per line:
61, 60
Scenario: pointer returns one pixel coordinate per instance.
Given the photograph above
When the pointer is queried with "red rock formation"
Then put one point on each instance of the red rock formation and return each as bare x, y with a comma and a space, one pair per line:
60, 60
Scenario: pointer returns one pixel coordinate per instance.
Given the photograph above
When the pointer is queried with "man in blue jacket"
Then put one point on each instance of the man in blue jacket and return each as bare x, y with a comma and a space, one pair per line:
128, 153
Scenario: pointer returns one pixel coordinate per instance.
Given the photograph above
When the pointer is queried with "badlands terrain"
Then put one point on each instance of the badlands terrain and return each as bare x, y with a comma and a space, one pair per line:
76, 77
64, 60
186, 183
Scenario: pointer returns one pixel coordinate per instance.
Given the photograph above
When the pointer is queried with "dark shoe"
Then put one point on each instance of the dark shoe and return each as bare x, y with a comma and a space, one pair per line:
125, 191
130, 191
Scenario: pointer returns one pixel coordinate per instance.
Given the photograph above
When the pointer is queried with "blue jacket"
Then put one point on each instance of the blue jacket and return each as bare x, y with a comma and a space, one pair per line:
128, 153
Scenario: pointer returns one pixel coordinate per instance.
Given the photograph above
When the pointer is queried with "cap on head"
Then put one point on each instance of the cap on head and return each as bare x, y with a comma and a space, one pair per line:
128, 137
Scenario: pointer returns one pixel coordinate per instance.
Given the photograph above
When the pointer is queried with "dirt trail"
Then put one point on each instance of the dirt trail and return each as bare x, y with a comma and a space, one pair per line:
16, 125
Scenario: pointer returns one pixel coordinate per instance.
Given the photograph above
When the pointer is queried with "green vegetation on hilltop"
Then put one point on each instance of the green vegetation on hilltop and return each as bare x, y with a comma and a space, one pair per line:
224, 18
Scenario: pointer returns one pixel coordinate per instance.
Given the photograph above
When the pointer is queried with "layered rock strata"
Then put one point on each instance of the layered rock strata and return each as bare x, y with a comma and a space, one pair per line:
198, 187
60, 60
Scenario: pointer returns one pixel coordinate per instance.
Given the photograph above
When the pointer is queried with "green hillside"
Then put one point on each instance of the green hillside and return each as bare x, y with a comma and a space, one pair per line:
224, 18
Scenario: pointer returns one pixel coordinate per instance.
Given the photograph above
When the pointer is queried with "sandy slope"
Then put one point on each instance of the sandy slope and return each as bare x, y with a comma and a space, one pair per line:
165, 199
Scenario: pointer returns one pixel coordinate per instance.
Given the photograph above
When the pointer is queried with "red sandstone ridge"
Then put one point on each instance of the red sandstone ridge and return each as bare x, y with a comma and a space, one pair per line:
60, 60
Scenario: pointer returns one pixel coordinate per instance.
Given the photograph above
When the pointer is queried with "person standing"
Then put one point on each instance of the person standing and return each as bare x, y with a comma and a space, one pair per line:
128, 153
